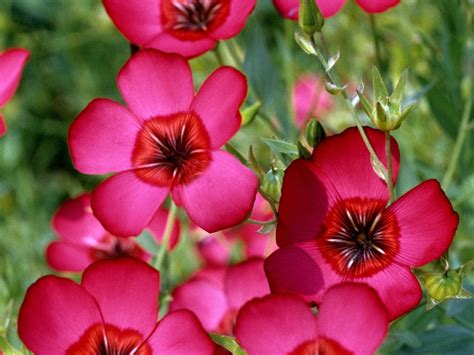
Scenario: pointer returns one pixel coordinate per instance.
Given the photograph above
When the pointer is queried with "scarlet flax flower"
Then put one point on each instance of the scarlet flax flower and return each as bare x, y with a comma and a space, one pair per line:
113, 311
12, 62
334, 225
351, 320
83, 240
290, 8
165, 140
215, 294
187, 27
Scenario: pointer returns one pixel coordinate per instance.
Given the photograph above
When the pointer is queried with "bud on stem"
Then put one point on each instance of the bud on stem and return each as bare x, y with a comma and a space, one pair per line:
310, 18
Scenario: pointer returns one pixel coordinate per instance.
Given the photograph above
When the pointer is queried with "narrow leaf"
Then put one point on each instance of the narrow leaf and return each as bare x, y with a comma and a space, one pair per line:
380, 90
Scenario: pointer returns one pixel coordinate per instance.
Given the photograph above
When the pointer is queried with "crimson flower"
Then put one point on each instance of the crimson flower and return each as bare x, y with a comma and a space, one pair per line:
12, 62
83, 240
113, 311
334, 225
351, 320
166, 140
216, 294
310, 99
187, 27
289, 8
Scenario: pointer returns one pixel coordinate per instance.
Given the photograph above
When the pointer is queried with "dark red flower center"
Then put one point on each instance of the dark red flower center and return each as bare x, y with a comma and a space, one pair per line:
109, 340
112, 247
171, 150
359, 238
192, 19
322, 346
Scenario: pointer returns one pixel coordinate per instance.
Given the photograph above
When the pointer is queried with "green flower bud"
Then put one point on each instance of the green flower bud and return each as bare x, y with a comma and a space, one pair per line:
272, 182
310, 18
314, 133
443, 286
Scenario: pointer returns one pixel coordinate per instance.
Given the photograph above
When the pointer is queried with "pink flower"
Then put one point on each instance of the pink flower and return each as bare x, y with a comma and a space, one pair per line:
166, 140
351, 320
310, 99
113, 311
12, 62
216, 249
334, 225
83, 240
187, 27
289, 8
216, 294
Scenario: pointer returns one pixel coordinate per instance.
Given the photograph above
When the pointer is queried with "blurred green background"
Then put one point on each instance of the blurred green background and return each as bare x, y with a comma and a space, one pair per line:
77, 52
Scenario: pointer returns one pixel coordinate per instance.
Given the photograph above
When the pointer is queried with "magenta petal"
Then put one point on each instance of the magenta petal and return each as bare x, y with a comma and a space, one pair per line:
398, 289
158, 224
427, 223
154, 83
214, 251
75, 223
293, 269
170, 44
374, 6
64, 256
3, 125
217, 104
125, 205
54, 315
180, 333
275, 324
222, 196
290, 8
204, 299
102, 138
239, 12
213, 274
303, 205
245, 281
353, 315
126, 291
12, 62
138, 20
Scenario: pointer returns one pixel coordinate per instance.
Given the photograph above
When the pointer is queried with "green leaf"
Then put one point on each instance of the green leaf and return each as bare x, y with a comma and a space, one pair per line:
365, 104
333, 60
305, 43
7, 348
380, 90
228, 343
249, 113
267, 228
279, 146
398, 93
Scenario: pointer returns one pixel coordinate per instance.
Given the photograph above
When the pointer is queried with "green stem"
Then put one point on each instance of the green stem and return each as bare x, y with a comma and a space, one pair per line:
333, 80
388, 154
461, 136
375, 36
160, 256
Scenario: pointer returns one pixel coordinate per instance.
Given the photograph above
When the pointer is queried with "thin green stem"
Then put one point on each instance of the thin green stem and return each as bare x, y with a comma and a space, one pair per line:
333, 80
388, 154
160, 256
461, 136
378, 50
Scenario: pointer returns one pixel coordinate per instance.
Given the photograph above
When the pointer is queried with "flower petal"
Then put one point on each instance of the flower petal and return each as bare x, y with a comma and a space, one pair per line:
125, 205
65, 256
290, 8
204, 299
294, 269
222, 196
214, 251
158, 224
180, 333
102, 138
138, 20
427, 223
240, 10
275, 324
374, 6
245, 281
54, 315
3, 125
154, 83
126, 291
348, 313
75, 223
12, 62
398, 289
217, 103
189, 49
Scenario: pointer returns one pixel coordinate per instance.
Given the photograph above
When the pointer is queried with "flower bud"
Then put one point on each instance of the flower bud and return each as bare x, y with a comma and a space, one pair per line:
443, 286
314, 133
272, 182
310, 18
